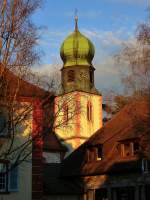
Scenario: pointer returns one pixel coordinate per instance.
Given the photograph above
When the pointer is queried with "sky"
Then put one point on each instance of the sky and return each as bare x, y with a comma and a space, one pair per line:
108, 23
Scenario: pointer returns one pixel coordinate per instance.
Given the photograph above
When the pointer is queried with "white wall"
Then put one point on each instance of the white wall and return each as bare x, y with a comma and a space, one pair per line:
22, 133
51, 157
25, 184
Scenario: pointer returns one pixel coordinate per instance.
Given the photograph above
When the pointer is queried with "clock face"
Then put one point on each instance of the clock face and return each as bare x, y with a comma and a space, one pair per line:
83, 75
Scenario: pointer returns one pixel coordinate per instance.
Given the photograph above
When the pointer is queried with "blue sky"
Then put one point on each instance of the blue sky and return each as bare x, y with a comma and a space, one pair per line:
108, 23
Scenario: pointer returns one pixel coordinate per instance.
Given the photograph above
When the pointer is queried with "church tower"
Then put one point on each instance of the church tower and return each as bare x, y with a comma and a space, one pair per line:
78, 108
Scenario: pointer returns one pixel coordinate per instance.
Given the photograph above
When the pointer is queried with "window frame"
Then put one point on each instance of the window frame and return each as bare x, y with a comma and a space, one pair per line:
145, 165
6, 174
11, 170
70, 76
92, 153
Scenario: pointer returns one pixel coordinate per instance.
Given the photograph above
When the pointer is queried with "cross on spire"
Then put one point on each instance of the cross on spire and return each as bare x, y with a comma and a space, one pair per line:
76, 20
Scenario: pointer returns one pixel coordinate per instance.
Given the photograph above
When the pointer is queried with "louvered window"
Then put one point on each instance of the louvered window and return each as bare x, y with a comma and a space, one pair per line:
71, 76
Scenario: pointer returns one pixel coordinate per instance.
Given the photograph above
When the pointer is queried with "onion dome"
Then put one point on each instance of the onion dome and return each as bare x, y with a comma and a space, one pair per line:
77, 50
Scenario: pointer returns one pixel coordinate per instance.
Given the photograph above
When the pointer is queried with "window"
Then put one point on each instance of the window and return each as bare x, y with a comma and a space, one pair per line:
89, 111
91, 76
99, 152
71, 75
8, 177
13, 179
3, 177
65, 113
130, 148
126, 150
94, 153
145, 165
3, 122
136, 148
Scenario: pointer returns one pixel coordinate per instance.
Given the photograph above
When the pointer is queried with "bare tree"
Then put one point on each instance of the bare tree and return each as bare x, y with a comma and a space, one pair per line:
18, 40
134, 67
135, 57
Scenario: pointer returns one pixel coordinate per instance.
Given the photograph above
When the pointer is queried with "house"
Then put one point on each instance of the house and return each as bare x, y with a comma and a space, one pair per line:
21, 145
114, 163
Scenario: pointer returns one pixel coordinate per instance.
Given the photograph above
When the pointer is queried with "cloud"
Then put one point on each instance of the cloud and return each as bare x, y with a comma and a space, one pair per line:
107, 75
107, 43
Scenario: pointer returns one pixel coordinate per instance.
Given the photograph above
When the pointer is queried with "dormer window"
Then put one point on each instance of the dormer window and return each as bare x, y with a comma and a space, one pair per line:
129, 148
71, 76
99, 152
94, 153
136, 148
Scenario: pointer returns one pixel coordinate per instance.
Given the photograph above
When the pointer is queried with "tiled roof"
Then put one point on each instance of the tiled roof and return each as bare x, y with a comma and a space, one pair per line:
133, 121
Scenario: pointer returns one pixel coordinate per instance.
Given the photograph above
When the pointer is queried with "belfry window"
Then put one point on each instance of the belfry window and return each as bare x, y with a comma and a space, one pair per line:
89, 111
91, 77
71, 76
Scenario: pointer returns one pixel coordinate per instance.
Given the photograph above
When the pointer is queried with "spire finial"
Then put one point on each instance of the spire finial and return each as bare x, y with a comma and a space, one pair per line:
76, 20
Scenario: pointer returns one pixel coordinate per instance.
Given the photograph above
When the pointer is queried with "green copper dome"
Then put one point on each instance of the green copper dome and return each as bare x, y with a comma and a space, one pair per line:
77, 50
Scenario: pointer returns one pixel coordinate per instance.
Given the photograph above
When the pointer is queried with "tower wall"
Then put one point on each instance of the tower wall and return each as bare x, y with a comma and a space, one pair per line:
79, 127
83, 78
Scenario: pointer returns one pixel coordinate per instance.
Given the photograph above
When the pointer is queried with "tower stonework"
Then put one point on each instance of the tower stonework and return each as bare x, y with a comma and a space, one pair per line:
78, 108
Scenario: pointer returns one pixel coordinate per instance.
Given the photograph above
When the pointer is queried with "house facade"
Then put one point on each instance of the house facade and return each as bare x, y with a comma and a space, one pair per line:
21, 137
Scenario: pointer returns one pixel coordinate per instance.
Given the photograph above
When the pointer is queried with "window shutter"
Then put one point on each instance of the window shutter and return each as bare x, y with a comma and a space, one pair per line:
13, 179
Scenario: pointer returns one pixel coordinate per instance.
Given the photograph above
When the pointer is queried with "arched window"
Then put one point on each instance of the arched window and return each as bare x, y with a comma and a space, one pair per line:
71, 75
65, 113
89, 111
